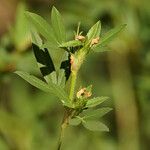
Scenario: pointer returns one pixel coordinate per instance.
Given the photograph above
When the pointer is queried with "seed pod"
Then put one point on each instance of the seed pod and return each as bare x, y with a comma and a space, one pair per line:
83, 93
80, 38
95, 41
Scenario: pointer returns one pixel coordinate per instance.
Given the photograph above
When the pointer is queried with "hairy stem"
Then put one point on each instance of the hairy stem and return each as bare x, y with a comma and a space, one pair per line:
68, 112
63, 126
72, 85
67, 115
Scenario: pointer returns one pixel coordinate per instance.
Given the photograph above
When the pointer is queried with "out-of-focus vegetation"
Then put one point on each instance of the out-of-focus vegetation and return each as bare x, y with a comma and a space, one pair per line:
29, 117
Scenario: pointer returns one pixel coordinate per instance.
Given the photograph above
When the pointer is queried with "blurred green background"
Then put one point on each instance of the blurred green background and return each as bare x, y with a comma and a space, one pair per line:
30, 119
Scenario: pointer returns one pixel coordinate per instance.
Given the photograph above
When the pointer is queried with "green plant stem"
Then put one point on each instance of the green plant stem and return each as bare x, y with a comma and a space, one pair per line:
68, 112
67, 115
61, 136
72, 85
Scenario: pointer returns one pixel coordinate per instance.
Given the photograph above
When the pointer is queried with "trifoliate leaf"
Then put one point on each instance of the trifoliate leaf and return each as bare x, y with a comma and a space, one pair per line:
96, 101
75, 121
96, 113
50, 87
95, 126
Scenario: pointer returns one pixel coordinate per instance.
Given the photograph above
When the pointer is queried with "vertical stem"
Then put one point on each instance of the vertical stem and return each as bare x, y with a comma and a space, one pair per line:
61, 136
65, 122
73, 84
68, 112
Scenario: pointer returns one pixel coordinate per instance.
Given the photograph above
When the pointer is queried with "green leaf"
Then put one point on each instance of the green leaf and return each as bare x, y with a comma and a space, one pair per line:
109, 36
36, 38
61, 78
51, 87
58, 26
96, 113
51, 77
50, 45
94, 32
21, 33
41, 26
75, 121
34, 81
73, 43
95, 126
96, 101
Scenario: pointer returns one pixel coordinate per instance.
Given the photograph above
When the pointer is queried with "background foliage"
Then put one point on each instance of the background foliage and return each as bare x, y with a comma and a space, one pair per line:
29, 118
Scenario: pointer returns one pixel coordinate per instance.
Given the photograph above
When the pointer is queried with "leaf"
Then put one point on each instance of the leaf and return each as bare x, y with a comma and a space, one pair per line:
75, 121
58, 26
51, 78
41, 26
95, 126
34, 81
94, 32
45, 61
109, 36
21, 34
49, 45
36, 38
61, 78
54, 77
73, 43
96, 113
96, 101
51, 87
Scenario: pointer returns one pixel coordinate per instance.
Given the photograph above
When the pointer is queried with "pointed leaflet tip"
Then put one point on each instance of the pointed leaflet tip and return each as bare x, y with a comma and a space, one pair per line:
94, 32
58, 26
110, 35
